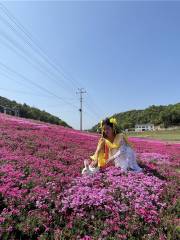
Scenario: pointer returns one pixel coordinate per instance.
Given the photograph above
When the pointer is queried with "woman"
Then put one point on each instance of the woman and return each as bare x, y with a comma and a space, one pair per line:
114, 146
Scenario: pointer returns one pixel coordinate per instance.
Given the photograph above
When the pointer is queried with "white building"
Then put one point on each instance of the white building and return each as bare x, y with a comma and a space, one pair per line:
144, 127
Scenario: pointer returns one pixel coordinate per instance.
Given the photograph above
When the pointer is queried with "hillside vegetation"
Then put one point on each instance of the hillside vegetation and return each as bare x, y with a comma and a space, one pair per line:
26, 111
165, 116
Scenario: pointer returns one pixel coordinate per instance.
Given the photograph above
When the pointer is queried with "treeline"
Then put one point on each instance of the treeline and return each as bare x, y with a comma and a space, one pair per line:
164, 116
26, 111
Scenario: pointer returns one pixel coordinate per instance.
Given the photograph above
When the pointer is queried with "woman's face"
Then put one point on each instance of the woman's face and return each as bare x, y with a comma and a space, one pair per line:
108, 131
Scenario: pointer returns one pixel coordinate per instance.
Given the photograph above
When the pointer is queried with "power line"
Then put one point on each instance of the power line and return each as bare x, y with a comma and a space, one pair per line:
29, 36
34, 84
17, 50
90, 113
25, 93
33, 44
95, 105
22, 92
35, 47
41, 69
90, 106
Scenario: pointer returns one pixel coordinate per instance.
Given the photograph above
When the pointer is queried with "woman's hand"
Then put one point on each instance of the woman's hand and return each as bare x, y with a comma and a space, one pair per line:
93, 163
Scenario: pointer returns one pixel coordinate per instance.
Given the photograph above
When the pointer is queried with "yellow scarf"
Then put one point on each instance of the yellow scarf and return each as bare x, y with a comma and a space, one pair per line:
103, 154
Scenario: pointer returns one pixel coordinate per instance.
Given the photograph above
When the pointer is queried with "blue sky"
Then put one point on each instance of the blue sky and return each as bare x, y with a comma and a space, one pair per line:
126, 55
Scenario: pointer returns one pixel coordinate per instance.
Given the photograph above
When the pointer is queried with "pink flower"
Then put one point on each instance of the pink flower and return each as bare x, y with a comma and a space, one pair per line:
41, 184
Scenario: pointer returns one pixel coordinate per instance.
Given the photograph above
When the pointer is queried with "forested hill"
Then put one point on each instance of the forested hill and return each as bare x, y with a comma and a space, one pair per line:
165, 116
26, 111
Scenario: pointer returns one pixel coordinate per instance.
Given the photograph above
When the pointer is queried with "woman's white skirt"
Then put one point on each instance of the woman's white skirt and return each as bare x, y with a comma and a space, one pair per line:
125, 158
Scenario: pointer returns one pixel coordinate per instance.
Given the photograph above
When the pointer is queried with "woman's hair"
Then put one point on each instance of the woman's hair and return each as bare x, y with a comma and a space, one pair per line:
107, 122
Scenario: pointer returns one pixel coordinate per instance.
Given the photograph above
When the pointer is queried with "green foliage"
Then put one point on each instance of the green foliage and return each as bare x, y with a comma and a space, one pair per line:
165, 116
31, 112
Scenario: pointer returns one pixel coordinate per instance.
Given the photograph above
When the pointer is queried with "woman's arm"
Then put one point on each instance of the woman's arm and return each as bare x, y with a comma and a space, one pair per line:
99, 148
110, 159
114, 156
93, 163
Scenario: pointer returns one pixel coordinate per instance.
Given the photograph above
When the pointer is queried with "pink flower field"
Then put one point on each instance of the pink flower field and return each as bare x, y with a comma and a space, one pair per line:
43, 195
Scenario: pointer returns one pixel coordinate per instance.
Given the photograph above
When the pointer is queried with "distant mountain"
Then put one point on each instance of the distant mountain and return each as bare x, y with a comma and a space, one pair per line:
25, 111
165, 116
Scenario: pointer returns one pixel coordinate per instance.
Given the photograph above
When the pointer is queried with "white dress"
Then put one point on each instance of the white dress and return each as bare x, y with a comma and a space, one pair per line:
125, 158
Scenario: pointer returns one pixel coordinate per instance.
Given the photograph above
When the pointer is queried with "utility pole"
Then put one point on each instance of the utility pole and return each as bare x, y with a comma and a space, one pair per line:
81, 100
